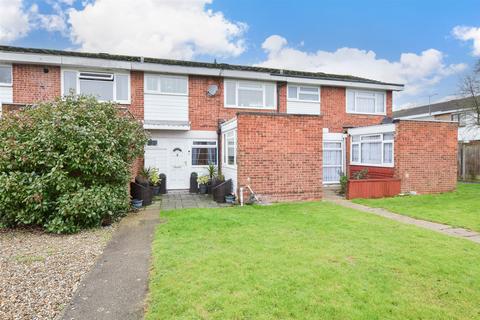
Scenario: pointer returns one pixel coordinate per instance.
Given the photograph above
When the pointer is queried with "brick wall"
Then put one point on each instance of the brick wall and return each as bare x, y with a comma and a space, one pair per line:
335, 117
426, 156
35, 83
137, 98
280, 156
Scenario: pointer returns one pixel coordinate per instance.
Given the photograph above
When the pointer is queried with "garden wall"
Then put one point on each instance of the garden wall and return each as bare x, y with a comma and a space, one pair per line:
426, 156
280, 155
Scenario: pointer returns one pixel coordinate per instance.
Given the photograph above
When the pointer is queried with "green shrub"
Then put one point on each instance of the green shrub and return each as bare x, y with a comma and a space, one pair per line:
343, 183
65, 165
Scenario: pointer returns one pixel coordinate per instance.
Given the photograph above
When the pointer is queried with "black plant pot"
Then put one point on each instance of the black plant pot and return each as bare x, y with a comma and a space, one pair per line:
203, 188
155, 190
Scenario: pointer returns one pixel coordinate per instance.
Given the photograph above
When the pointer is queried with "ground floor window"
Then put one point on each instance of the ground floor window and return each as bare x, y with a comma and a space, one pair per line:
372, 149
204, 153
230, 148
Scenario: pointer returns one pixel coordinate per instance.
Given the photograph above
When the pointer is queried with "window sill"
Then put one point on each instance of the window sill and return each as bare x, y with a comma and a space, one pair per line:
367, 114
254, 108
166, 94
6, 85
386, 165
229, 166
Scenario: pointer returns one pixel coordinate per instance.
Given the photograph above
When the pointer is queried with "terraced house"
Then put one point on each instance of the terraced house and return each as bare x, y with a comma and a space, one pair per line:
283, 133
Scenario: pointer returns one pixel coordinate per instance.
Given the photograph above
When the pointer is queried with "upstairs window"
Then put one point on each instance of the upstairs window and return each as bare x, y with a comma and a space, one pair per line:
366, 102
103, 86
204, 153
163, 84
5, 75
249, 94
303, 93
373, 149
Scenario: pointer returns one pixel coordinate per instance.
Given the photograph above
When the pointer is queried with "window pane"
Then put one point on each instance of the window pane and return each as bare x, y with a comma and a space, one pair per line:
370, 138
308, 96
249, 85
355, 138
332, 157
69, 82
204, 143
250, 98
380, 102
355, 153
204, 156
6, 74
231, 151
102, 90
152, 84
122, 86
269, 96
365, 104
351, 100
309, 90
388, 152
388, 136
372, 152
332, 145
292, 92
230, 93
173, 85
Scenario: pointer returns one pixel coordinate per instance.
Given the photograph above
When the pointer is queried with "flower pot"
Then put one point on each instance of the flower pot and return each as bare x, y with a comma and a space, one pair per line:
230, 198
137, 204
203, 188
155, 190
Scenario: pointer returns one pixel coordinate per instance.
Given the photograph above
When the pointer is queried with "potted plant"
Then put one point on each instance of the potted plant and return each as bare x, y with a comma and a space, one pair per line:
203, 182
137, 203
143, 176
212, 173
155, 181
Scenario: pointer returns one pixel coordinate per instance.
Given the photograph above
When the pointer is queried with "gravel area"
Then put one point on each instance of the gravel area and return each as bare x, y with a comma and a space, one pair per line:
39, 272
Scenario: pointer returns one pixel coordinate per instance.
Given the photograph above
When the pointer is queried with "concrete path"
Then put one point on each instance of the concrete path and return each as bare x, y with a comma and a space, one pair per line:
180, 199
116, 287
438, 227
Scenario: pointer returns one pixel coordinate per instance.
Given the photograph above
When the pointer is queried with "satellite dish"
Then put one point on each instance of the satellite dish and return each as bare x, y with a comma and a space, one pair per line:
212, 90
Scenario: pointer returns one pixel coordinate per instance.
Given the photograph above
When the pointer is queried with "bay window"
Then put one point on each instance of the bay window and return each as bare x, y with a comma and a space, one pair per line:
204, 153
104, 86
250, 94
5, 75
303, 93
366, 102
372, 149
230, 148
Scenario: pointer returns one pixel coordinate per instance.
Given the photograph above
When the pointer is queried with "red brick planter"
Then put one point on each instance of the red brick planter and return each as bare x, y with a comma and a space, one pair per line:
373, 188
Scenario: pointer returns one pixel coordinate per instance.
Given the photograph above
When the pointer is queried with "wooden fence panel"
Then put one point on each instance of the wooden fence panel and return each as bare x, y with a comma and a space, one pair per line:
469, 161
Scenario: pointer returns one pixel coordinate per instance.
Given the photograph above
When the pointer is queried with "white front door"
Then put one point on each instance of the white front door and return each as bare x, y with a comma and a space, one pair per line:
332, 161
178, 176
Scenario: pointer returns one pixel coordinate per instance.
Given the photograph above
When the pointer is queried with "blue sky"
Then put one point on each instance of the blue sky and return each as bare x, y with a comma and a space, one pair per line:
428, 45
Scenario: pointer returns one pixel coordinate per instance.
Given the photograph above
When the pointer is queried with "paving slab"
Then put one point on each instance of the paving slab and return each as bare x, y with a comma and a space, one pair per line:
182, 199
117, 285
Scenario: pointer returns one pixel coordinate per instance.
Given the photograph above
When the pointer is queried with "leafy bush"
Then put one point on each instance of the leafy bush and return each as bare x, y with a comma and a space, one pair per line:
343, 183
65, 165
359, 175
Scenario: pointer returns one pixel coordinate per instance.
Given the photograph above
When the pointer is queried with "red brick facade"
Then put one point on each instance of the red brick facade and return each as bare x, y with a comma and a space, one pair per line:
137, 97
334, 110
35, 83
426, 156
280, 156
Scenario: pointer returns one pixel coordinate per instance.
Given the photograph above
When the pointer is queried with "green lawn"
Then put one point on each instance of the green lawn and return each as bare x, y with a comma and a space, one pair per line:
460, 208
308, 261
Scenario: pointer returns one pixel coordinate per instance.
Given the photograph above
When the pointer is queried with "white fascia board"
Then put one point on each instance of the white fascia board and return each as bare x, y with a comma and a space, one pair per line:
47, 59
382, 128
229, 125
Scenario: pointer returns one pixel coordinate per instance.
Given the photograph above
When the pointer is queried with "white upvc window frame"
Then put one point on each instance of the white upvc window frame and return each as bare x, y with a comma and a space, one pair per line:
159, 89
205, 146
115, 73
359, 92
299, 89
4, 84
383, 142
237, 83
225, 136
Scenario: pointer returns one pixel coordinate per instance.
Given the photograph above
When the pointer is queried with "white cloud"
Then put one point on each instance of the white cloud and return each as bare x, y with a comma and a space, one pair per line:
469, 33
14, 22
176, 29
417, 71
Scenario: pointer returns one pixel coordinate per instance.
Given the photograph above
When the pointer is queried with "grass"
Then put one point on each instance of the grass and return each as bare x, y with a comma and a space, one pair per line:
308, 261
460, 208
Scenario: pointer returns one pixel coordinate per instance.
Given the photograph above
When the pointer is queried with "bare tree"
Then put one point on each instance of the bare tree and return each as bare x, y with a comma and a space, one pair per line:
470, 89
